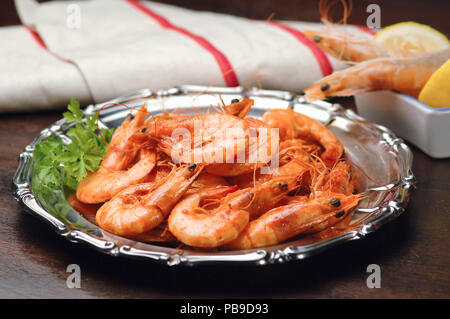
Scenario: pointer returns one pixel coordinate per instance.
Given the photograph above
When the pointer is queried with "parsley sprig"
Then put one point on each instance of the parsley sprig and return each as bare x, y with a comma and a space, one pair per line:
66, 165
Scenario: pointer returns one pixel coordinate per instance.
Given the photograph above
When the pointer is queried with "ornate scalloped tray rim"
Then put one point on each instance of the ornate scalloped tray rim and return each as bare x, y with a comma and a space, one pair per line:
269, 255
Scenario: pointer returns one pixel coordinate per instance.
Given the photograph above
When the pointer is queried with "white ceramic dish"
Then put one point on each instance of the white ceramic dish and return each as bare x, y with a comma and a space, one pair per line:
426, 127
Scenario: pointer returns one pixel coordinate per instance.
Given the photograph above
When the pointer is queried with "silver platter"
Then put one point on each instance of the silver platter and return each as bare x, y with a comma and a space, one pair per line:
373, 148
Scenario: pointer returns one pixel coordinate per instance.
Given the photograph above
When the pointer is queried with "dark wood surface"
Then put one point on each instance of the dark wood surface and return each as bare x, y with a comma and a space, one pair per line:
413, 251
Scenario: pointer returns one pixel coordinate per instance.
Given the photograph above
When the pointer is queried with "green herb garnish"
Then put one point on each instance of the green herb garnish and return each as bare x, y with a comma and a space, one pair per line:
66, 165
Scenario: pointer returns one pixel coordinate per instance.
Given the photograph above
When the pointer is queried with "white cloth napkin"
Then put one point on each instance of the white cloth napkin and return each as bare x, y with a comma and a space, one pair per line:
121, 46
31, 78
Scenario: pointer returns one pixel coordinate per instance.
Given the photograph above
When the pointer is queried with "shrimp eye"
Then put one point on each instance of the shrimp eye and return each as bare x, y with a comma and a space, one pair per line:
130, 116
284, 187
144, 130
292, 193
324, 87
317, 38
192, 167
340, 214
336, 202
235, 101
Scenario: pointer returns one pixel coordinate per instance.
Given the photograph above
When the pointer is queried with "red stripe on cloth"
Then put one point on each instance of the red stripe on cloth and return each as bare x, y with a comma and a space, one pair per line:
36, 37
321, 57
366, 29
224, 64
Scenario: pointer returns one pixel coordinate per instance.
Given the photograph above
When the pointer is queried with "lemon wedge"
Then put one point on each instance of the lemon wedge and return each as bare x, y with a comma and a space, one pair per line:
436, 92
409, 38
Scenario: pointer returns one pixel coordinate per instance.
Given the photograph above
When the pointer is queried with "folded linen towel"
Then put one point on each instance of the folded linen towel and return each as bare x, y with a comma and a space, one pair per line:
99, 49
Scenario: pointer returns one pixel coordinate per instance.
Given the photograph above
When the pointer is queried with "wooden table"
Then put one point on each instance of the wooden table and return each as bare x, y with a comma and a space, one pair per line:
413, 251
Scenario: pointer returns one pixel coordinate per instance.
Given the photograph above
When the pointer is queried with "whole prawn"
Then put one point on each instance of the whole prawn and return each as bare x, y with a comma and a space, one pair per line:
293, 125
200, 227
262, 146
205, 137
349, 48
103, 184
115, 173
303, 217
121, 150
345, 46
140, 208
220, 140
407, 75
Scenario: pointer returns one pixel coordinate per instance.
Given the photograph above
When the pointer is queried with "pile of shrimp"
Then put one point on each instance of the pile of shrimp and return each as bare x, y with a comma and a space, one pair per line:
373, 67
143, 192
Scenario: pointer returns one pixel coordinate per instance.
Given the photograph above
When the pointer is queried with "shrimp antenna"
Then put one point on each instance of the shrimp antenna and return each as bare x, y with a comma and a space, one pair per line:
365, 174
250, 203
325, 6
223, 103
165, 230
218, 109
270, 17
255, 168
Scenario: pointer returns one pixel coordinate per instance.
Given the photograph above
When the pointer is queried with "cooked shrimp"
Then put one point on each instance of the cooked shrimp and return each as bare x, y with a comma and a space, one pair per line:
337, 180
344, 46
295, 125
206, 123
103, 184
228, 145
121, 150
198, 227
226, 137
206, 139
303, 217
407, 75
140, 208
